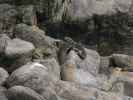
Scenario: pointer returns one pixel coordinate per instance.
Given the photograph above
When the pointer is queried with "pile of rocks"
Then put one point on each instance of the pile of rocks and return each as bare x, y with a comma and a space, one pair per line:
35, 66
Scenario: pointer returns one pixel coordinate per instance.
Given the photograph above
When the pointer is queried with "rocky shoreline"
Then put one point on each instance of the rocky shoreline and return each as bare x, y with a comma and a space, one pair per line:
66, 50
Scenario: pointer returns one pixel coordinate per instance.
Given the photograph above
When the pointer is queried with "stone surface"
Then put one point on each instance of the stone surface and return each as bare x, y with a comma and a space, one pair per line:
45, 45
3, 41
22, 93
104, 25
2, 93
121, 60
30, 33
52, 66
18, 47
71, 91
3, 76
17, 53
32, 75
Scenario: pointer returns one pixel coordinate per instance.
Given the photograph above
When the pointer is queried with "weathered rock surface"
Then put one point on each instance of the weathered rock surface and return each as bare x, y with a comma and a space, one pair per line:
106, 25
2, 93
71, 91
18, 47
45, 45
32, 75
3, 76
120, 82
121, 60
52, 66
22, 93
16, 53
74, 9
30, 33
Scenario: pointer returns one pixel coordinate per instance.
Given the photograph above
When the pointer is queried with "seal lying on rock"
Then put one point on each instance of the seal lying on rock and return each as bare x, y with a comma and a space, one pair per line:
66, 50
66, 46
76, 47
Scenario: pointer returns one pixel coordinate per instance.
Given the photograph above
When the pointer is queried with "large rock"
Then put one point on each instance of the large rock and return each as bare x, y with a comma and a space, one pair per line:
34, 35
18, 47
119, 82
71, 91
17, 53
46, 46
22, 93
3, 76
30, 33
77, 9
52, 66
32, 75
121, 60
2, 93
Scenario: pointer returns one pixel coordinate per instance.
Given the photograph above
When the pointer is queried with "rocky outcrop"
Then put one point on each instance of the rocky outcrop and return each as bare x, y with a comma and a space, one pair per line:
52, 66
70, 91
3, 76
19, 52
2, 93
32, 75
45, 45
22, 93
35, 66
18, 47
30, 33
121, 60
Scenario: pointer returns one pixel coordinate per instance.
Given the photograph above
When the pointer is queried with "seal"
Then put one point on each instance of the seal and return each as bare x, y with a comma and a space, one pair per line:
66, 45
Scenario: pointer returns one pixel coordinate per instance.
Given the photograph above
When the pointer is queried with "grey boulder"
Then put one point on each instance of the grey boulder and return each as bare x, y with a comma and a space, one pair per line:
52, 66
3, 91
17, 53
30, 33
121, 60
22, 93
3, 76
32, 75
18, 47
72, 91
